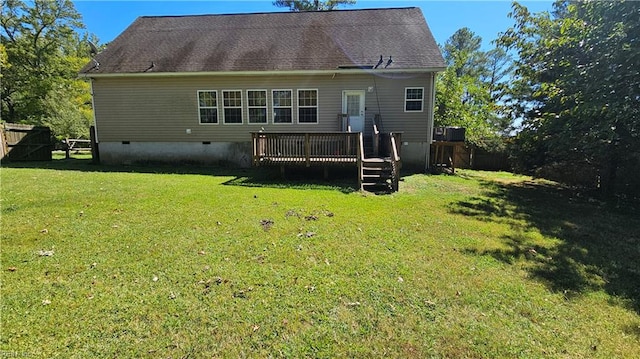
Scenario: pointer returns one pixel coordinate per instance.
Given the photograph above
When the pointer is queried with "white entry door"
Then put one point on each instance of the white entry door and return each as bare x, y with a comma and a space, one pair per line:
353, 105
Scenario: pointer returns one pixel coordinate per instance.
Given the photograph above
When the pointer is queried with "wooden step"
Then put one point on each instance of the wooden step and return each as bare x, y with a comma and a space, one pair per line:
376, 176
377, 172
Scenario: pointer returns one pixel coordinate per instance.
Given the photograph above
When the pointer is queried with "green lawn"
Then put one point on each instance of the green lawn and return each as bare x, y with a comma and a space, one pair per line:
156, 262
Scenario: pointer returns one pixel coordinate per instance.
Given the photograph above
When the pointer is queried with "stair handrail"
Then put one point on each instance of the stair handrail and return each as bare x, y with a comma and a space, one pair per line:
344, 122
360, 161
395, 162
375, 136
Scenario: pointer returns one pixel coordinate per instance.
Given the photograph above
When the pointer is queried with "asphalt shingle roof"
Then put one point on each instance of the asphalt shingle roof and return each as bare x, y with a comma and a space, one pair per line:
289, 41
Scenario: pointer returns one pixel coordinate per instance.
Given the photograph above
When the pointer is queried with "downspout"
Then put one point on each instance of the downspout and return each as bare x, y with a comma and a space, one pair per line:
95, 147
430, 121
93, 109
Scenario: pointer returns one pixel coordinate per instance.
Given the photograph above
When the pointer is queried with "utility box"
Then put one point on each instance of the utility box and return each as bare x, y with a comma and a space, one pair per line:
449, 134
438, 133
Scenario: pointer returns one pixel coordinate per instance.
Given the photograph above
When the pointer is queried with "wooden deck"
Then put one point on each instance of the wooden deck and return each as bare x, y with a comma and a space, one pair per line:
329, 149
306, 149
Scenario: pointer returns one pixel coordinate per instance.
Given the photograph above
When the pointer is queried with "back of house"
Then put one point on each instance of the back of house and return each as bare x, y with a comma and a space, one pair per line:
194, 88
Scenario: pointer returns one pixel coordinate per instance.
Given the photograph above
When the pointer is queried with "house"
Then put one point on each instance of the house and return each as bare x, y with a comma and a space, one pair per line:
202, 88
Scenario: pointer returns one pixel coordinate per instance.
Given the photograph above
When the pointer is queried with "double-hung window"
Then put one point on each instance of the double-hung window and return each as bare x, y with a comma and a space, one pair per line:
232, 106
282, 106
257, 106
307, 106
413, 99
208, 107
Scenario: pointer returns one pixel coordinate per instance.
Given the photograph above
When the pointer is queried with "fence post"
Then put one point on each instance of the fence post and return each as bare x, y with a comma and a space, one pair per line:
67, 150
4, 149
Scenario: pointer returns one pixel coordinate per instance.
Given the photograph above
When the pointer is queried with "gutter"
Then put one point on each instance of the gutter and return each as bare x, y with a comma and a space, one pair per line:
260, 73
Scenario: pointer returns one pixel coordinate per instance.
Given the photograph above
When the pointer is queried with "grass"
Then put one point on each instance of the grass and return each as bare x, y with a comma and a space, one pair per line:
197, 262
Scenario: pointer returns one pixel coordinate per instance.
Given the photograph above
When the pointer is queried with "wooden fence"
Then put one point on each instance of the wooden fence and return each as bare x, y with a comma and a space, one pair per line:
25, 142
458, 155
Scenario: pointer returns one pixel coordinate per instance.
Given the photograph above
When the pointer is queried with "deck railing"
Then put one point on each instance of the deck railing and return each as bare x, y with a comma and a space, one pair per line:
306, 149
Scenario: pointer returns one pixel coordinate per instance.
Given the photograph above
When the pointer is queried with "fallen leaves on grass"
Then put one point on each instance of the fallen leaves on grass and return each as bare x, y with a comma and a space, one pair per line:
208, 282
266, 224
307, 234
292, 213
240, 294
12, 269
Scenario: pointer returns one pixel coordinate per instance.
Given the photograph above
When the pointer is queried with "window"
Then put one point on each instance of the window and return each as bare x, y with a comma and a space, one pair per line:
282, 106
413, 99
232, 106
208, 106
257, 106
307, 106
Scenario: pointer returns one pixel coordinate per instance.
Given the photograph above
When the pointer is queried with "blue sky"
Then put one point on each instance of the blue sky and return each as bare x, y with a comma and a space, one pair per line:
107, 19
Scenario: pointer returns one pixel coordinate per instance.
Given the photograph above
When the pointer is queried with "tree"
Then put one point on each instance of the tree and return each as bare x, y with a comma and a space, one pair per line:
312, 5
43, 54
577, 89
469, 91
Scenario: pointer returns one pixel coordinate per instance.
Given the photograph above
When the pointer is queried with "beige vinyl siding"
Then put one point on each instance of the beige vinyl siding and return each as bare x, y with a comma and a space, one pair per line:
154, 109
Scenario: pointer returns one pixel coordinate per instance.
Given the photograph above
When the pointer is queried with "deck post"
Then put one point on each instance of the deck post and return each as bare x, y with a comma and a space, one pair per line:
254, 157
307, 149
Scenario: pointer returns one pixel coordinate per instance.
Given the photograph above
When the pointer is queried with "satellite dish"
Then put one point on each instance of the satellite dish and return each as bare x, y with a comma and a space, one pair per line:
93, 49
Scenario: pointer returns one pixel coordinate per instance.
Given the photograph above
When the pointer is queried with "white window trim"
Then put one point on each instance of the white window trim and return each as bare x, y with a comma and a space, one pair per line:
266, 107
224, 119
317, 107
273, 108
406, 89
217, 107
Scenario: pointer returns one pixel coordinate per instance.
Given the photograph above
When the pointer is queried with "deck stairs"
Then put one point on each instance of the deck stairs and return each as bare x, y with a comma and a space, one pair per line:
380, 165
377, 174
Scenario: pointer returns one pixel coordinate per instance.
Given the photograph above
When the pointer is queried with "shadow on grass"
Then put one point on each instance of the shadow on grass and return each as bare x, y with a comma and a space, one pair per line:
588, 246
343, 180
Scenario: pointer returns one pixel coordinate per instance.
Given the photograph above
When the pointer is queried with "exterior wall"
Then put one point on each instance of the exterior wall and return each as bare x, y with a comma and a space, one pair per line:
235, 153
413, 155
158, 110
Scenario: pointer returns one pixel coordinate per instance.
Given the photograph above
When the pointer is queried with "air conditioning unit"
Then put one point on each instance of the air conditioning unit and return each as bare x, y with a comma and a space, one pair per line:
454, 134
449, 134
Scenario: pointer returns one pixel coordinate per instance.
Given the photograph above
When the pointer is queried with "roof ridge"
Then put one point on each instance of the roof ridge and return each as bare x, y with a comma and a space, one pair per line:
278, 12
